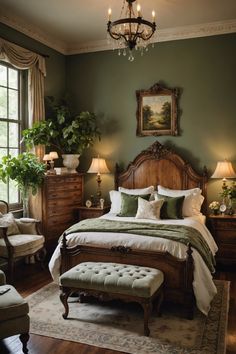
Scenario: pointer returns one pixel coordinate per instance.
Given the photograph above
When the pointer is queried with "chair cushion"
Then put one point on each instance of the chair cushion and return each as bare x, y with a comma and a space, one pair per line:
12, 305
114, 277
26, 226
8, 220
3, 207
23, 244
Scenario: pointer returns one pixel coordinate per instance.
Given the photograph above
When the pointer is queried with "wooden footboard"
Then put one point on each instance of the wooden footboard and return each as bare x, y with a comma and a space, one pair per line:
178, 272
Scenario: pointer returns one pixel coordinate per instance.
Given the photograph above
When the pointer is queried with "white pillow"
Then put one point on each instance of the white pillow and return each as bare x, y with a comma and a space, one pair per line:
192, 202
137, 191
8, 220
149, 210
115, 196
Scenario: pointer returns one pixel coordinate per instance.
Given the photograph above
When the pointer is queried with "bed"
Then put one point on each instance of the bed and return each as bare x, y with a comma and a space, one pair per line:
188, 281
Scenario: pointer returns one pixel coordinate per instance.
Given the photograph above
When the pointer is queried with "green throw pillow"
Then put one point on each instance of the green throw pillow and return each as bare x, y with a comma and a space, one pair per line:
129, 204
172, 207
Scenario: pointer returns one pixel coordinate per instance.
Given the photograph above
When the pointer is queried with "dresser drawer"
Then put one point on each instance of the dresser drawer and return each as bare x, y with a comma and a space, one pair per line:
57, 206
57, 220
61, 210
224, 225
61, 187
63, 180
226, 251
226, 236
70, 195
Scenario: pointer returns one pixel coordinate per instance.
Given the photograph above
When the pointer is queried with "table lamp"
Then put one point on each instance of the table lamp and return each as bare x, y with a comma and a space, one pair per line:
46, 159
53, 156
224, 170
99, 167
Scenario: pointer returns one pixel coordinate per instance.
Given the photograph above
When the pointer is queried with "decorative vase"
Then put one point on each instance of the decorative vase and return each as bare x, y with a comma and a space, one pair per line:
25, 201
71, 161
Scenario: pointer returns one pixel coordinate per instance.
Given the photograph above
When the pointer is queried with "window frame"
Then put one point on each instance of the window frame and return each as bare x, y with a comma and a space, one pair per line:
22, 120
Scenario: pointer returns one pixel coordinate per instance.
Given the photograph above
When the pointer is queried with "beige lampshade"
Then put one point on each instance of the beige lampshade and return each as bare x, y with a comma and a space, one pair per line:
47, 157
53, 155
98, 165
224, 169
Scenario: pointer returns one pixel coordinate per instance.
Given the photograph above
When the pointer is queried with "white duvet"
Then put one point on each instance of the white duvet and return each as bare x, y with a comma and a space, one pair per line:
203, 286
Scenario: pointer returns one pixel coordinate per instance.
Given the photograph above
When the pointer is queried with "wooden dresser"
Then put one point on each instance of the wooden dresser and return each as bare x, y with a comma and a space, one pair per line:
223, 229
55, 205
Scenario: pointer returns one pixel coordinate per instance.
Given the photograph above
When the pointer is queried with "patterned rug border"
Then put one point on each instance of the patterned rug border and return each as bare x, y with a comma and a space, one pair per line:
94, 339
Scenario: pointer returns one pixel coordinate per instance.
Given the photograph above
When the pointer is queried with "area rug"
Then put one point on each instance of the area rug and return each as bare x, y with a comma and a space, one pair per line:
119, 326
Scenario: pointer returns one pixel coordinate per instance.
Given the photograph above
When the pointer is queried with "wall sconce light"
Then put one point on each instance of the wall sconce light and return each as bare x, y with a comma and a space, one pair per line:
99, 167
224, 170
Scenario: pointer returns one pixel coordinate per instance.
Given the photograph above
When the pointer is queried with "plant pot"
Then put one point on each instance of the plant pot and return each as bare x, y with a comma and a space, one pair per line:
71, 161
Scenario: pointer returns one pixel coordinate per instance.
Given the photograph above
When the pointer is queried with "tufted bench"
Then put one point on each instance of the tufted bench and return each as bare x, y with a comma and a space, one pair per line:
114, 281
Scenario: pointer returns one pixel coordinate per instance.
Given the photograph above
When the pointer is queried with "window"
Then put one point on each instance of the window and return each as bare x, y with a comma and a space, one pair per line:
12, 94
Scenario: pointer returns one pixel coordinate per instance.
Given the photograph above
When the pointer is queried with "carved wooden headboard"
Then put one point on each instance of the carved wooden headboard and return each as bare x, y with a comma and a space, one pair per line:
159, 165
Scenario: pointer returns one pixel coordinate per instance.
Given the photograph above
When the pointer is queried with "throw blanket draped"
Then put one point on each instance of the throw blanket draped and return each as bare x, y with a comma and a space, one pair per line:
179, 233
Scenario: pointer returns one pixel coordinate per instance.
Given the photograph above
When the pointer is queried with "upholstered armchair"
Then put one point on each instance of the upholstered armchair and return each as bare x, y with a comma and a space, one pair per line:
14, 311
19, 238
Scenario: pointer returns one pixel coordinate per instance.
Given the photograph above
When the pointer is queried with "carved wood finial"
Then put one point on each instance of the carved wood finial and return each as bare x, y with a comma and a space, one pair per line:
157, 150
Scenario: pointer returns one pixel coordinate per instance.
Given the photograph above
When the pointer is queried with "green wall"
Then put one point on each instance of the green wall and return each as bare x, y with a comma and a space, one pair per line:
55, 64
203, 69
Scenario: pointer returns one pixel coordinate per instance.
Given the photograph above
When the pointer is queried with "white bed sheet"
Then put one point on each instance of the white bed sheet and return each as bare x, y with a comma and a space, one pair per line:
203, 285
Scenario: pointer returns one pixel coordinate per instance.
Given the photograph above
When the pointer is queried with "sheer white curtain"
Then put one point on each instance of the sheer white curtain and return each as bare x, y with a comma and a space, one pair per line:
25, 59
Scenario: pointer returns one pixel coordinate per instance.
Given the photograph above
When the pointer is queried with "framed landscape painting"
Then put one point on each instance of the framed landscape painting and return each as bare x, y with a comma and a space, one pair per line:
157, 111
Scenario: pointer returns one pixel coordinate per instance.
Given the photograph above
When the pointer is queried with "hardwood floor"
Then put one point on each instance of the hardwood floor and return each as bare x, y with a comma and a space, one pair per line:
31, 278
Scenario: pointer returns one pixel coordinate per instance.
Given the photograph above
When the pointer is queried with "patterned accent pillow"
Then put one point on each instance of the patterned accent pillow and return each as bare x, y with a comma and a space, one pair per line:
8, 221
149, 210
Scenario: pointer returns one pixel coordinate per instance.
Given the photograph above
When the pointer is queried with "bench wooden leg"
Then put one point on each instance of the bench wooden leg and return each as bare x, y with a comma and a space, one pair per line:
64, 294
24, 339
158, 302
147, 310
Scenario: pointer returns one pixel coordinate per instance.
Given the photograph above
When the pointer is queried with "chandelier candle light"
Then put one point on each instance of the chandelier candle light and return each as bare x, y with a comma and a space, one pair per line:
130, 32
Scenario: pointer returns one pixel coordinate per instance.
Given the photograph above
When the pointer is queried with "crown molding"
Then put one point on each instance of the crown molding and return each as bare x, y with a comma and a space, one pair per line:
164, 35
33, 32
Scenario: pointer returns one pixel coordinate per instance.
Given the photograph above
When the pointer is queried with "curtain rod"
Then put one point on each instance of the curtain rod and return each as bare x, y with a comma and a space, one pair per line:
32, 50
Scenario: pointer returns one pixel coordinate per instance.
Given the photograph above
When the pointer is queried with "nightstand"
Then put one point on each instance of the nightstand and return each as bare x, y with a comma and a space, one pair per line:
223, 229
92, 212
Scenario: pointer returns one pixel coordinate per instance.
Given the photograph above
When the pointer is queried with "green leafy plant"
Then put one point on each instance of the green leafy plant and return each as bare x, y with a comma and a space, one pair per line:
68, 133
24, 169
229, 191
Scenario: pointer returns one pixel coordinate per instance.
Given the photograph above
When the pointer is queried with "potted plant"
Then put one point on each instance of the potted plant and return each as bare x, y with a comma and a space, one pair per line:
26, 171
214, 207
229, 194
69, 134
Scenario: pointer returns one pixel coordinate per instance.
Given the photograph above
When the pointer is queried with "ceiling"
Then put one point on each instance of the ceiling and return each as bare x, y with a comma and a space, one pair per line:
76, 26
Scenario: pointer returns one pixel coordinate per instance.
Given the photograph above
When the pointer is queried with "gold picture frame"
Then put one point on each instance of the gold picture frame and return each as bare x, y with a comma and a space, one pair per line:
157, 111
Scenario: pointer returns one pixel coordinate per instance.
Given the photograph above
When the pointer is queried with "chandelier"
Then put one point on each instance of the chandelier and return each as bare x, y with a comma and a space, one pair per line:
132, 31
